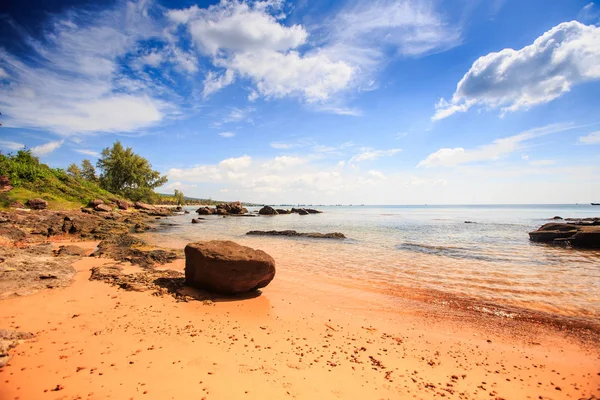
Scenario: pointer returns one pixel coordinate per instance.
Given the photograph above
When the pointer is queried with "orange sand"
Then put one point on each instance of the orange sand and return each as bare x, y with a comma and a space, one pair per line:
297, 340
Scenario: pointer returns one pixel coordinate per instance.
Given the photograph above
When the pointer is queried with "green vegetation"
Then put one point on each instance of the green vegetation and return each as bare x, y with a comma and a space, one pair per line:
127, 174
32, 179
179, 197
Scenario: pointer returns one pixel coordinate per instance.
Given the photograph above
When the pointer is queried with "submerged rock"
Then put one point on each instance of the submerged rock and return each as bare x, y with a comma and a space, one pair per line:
315, 235
226, 267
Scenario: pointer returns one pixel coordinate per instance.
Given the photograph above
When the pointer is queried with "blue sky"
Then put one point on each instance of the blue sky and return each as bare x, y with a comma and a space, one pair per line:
375, 102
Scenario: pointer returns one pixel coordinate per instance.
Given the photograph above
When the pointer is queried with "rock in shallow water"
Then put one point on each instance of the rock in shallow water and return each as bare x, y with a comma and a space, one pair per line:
583, 234
315, 235
226, 267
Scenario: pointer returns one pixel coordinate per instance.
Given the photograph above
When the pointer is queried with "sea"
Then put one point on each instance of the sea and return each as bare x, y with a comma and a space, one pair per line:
473, 256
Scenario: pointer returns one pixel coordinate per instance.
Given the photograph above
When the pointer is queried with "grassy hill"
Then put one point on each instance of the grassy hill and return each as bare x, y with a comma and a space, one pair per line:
32, 179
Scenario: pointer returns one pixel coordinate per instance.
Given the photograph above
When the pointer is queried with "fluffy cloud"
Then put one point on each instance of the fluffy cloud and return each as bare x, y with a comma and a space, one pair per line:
227, 134
565, 56
283, 162
47, 148
235, 163
450, 157
247, 39
592, 138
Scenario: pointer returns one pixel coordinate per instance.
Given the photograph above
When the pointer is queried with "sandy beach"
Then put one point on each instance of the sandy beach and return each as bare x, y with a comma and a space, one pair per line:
297, 339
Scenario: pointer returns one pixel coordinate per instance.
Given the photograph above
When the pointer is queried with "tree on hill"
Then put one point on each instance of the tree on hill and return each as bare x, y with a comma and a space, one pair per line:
179, 197
128, 174
88, 172
74, 170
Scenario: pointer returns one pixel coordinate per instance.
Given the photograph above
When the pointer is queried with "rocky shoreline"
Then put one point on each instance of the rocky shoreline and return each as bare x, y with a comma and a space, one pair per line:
576, 233
292, 233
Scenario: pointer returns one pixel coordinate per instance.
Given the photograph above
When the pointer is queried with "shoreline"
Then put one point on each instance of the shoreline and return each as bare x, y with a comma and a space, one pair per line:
303, 337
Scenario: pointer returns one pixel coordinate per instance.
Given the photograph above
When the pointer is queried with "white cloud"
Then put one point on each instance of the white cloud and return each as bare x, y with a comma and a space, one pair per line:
3, 74
238, 26
282, 162
71, 82
450, 157
153, 59
592, 138
236, 163
11, 145
312, 77
589, 13
215, 82
239, 114
376, 175
88, 152
279, 145
248, 40
227, 134
373, 155
565, 56
47, 148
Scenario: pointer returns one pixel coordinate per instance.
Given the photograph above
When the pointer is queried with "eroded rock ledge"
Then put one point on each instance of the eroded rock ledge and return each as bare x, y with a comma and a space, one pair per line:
579, 233
291, 233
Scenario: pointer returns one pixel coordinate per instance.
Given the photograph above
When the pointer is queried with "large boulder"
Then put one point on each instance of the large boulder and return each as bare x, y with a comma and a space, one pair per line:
267, 210
226, 267
302, 211
204, 211
582, 234
37, 204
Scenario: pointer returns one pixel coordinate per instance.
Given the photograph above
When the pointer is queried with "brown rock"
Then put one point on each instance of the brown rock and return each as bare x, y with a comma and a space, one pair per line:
17, 204
102, 208
195, 221
267, 210
227, 267
122, 204
5, 185
204, 211
95, 203
314, 235
37, 204
71, 250
143, 206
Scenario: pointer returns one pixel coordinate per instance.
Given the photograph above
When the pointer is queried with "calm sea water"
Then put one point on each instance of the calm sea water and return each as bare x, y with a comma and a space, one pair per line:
426, 252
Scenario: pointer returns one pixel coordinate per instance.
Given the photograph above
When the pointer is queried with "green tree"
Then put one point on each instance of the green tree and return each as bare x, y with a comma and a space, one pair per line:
88, 172
179, 197
130, 175
74, 170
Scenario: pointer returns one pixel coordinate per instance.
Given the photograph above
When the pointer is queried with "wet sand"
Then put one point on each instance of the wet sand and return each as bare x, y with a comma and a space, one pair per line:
299, 339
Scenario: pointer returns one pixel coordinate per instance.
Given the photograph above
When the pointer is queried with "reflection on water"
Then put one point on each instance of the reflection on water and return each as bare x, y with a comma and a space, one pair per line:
427, 249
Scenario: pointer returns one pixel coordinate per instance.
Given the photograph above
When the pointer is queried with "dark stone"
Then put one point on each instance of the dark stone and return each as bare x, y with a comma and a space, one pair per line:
195, 221
282, 211
122, 204
71, 250
226, 267
267, 210
204, 211
290, 233
582, 234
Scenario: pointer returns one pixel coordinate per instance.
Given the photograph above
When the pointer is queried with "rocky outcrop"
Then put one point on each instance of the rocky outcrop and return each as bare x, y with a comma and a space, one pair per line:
233, 208
17, 204
580, 234
290, 233
195, 221
102, 208
131, 249
282, 211
226, 267
143, 206
305, 211
9, 339
37, 204
301, 211
204, 211
70, 250
267, 210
